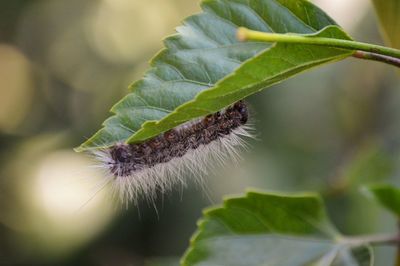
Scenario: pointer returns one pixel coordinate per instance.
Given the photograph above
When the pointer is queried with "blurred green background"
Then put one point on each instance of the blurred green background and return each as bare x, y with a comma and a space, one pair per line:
64, 63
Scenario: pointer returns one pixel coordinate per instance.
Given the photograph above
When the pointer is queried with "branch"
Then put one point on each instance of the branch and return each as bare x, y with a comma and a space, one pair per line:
377, 57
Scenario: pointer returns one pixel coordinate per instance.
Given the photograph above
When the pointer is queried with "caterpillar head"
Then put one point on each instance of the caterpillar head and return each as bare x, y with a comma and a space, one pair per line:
121, 163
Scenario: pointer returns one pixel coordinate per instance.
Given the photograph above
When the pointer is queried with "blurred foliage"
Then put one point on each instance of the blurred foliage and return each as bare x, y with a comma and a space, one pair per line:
386, 195
64, 63
388, 12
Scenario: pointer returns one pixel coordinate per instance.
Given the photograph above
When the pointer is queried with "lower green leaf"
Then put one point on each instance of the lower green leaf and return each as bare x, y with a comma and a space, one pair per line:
271, 229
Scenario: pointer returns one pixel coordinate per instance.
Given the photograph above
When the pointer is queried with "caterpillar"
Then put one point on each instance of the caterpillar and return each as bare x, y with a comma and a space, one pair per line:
157, 164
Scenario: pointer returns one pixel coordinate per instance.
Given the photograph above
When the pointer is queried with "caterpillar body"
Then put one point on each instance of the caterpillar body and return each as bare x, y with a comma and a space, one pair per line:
156, 165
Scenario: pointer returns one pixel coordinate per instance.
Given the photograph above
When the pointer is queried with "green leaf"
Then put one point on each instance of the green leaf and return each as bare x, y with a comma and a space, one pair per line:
204, 68
271, 229
388, 12
387, 195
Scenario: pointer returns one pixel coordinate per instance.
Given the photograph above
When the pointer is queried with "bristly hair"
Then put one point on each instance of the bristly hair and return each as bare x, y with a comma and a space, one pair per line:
157, 165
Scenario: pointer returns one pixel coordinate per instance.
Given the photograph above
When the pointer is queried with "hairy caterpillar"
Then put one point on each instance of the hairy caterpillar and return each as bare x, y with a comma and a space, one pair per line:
157, 164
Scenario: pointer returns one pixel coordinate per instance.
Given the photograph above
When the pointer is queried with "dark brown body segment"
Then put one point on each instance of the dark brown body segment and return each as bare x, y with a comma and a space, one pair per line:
128, 158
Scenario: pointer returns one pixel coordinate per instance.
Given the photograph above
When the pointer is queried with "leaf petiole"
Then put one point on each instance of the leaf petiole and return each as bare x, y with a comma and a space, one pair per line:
361, 50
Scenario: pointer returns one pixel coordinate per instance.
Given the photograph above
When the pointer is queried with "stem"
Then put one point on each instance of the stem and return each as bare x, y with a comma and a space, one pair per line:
375, 240
372, 239
398, 249
397, 257
375, 52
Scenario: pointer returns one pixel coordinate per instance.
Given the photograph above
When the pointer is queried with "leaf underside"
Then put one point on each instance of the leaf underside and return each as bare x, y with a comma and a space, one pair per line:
203, 68
271, 229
